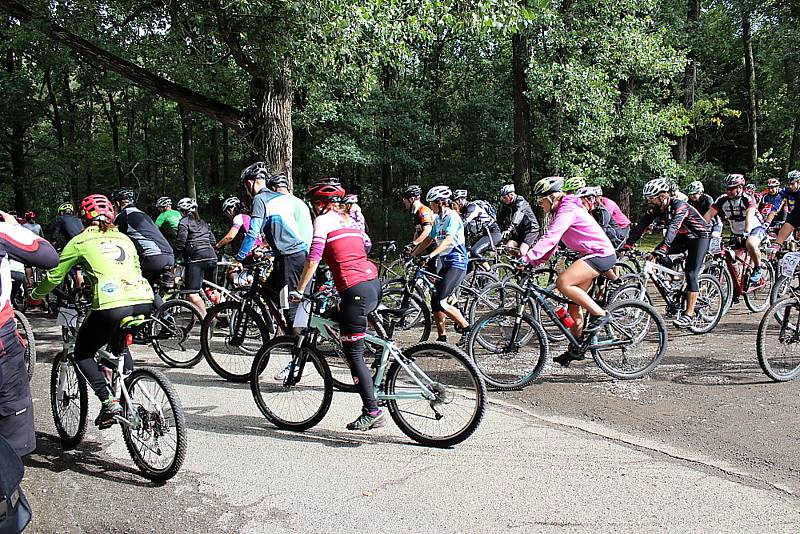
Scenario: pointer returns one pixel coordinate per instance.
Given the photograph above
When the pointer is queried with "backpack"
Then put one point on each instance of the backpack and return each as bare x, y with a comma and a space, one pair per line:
488, 208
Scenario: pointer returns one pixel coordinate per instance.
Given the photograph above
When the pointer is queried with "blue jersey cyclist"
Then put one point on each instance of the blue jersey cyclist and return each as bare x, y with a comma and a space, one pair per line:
791, 193
771, 205
447, 233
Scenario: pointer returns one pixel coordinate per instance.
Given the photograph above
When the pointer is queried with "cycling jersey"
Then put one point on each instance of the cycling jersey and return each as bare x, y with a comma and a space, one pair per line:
477, 220
449, 223
733, 210
110, 261
680, 219
339, 240
303, 217
23, 246
195, 240
274, 216
65, 227
33, 227
241, 223
770, 203
518, 216
576, 228
361, 222
616, 213
423, 217
148, 240
167, 221
789, 197
702, 204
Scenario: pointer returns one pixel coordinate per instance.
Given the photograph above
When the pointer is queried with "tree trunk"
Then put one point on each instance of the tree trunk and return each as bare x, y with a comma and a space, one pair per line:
750, 72
17, 154
689, 79
521, 58
56, 117
387, 185
89, 139
148, 175
187, 144
213, 157
113, 122
130, 130
226, 156
269, 129
795, 147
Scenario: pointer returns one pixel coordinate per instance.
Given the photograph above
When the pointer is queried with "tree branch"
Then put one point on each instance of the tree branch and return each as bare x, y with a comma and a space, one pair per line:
191, 100
231, 39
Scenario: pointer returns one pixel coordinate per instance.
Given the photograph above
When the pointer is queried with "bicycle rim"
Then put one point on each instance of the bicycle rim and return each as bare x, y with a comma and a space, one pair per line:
232, 362
414, 327
291, 404
157, 444
632, 343
176, 334
710, 305
778, 340
507, 361
757, 296
459, 395
71, 406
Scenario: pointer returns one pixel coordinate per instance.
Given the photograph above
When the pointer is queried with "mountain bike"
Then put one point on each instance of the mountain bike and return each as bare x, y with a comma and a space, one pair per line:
153, 424
733, 272
510, 347
778, 338
432, 390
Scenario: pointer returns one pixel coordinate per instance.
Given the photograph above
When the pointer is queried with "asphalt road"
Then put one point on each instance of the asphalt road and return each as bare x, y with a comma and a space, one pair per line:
704, 445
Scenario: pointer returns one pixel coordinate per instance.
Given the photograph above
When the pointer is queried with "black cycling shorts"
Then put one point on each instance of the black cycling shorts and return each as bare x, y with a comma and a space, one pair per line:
451, 278
696, 250
601, 264
528, 238
153, 266
195, 272
16, 403
794, 216
284, 277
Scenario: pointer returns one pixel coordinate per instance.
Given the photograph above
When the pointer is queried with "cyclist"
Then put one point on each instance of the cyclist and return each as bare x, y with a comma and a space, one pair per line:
674, 191
740, 210
195, 244
517, 220
355, 213
339, 241
280, 184
589, 196
448, 235
168, 219
702, 201
30, 223
156, 255
65, 226
235, 210
771, 205
119, 290
752, 190
479, 222
572, 225
687, 231
572, 184
274, 217
423, 216
623, 223
790, 193
16, 403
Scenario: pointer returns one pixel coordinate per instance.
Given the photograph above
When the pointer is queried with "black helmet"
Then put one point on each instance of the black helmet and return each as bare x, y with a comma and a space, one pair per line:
412, 191
278, 180
256, 171
123, 193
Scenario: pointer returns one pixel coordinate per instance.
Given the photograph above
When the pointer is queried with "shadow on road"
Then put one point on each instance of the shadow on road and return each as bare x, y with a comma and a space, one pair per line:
86, 459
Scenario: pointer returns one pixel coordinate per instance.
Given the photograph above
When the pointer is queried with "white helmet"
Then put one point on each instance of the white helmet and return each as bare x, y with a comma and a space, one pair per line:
548, 185
230, 203
459, 193
439, 192
164, 202
589, 191
793, 176
507, 190
187, 204
695, 188
655, 187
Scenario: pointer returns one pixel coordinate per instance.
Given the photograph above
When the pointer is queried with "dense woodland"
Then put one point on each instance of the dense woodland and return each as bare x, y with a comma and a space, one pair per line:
174, 97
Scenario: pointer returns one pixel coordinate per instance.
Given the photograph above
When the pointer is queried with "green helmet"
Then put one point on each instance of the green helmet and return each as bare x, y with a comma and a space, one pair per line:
574, 183
66, 207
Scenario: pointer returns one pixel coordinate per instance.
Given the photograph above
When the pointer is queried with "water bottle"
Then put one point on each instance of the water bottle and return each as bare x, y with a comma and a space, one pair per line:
565, 317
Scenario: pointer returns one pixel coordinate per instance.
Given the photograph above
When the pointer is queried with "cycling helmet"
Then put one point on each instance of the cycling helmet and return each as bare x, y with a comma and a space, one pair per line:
164, 202
30, 215
438, 193
793, 176
97, 208
733, 180
256, 171
459, 193
507, 190
350, 199
322, 191
751, 188
231, 204
773, 182
673, 186
695, 188
66, 207
546, 186
277, 180
573, 183
187, 204
412, 191
330, 180
655, 187
588, 191
124, 193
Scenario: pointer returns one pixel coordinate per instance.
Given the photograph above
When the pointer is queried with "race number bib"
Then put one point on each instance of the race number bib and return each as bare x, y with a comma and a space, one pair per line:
789, 264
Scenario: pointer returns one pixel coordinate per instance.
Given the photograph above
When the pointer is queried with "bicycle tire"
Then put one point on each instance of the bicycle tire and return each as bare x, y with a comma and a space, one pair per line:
419, 323
265, 379
156, 422
710, 304
495, 296
504, 271
624, 323
721, 273
233, 363
75, 399
460, 367
783, 286
178, 334
773, 360
25, 331
493, 360
757, 299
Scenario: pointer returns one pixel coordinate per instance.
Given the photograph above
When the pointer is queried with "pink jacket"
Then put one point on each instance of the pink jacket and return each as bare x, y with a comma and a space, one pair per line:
573, 225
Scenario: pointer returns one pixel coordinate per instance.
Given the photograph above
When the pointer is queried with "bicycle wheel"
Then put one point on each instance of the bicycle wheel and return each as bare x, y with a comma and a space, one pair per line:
721, 274
496, 296
504, 271
228, 358
292, 388
783, 287
416, 325
778, 340
157, 442
507, 361
756, 296
25, 332
632, 343
710, 305
459, 395
175, 333
69, 400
